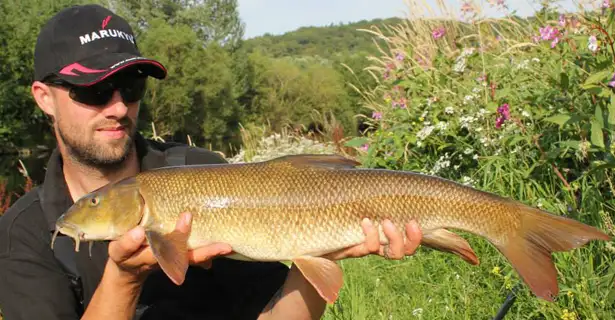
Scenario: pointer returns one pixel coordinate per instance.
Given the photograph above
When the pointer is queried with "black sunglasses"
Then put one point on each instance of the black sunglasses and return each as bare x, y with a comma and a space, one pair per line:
132, 89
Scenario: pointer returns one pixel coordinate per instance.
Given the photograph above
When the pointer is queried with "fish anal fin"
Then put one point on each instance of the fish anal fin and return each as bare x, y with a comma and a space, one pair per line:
540, 234
171, 252
323, 274
446, 241
323, 161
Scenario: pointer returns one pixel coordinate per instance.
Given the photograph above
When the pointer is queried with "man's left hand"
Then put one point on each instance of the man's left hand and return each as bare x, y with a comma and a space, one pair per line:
397, 248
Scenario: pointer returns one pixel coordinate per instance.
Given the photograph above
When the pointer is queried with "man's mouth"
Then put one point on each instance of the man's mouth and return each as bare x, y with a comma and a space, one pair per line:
115, 132
115, 128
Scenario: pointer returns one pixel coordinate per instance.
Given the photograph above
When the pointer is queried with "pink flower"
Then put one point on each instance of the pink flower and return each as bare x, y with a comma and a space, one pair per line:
438, 33
498, 122
364, 147
400, 56
377, 115
548, 33
562, 20
504, 110
612, 82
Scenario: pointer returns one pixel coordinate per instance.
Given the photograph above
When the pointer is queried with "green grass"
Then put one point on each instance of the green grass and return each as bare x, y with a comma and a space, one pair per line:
435, 285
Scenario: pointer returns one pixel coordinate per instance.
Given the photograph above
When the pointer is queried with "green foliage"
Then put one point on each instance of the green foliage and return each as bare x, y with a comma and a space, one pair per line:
19, 117
287, 91
325, 42
197, 98
524, 112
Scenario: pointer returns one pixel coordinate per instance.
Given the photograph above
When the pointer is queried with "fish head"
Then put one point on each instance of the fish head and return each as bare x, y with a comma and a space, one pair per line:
104, 214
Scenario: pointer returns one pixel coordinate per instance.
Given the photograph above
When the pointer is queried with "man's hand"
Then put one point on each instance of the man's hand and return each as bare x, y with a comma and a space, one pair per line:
134, 258
396, 249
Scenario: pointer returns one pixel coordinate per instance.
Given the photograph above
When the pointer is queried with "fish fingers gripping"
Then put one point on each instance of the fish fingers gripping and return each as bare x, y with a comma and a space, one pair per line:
539, 235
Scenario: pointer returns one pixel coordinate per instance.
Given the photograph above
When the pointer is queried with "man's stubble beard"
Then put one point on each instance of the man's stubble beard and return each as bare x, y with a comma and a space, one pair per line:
106, 157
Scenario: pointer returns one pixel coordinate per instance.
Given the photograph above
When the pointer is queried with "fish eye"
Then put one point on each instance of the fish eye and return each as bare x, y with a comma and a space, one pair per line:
94, 201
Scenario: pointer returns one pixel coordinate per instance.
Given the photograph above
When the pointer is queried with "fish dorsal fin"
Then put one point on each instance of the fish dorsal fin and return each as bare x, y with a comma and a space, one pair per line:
322, 161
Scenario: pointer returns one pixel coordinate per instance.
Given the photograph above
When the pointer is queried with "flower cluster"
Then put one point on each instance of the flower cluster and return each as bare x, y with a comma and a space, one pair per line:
504, 112
549, 33
438, 33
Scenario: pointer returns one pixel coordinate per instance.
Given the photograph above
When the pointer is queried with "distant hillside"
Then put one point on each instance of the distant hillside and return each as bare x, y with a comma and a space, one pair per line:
326, 42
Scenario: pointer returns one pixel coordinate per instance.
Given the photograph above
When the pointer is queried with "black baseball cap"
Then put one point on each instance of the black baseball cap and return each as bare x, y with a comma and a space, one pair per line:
84, 45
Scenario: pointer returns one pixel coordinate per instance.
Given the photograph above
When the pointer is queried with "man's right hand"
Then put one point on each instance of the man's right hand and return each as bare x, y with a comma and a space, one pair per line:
130, 261
134, 258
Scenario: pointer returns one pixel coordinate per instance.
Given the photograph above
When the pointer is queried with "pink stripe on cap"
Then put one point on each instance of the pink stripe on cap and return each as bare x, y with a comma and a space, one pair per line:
68, 70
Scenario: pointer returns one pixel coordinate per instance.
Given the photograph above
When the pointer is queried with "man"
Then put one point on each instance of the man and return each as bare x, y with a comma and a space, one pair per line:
89, 79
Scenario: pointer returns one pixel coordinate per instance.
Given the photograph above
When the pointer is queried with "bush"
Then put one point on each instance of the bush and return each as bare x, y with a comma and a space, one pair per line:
524, 108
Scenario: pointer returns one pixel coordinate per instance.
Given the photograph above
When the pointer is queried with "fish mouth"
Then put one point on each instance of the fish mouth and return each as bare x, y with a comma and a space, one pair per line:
70, 231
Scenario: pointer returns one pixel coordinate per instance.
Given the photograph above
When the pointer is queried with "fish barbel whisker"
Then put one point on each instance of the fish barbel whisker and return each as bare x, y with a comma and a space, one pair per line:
53, 238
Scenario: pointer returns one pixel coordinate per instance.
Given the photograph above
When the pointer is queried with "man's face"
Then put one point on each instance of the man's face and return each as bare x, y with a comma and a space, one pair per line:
96, 135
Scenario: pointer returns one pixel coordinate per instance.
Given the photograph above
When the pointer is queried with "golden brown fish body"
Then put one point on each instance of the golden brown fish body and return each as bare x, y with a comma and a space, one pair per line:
277, 211
300, 207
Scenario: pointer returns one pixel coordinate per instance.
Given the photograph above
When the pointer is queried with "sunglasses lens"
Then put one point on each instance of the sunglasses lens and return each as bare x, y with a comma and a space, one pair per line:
91, 95
131, 91
134, 90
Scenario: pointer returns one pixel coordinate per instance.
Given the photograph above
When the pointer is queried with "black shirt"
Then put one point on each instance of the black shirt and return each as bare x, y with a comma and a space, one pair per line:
33, 284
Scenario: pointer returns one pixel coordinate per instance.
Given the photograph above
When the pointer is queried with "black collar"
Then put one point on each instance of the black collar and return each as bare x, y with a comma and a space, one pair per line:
55, 197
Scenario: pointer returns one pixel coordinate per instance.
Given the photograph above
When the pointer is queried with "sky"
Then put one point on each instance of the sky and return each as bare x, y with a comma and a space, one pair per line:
280, 16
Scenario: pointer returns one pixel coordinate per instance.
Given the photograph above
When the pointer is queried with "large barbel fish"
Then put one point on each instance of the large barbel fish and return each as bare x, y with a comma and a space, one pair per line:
300, 207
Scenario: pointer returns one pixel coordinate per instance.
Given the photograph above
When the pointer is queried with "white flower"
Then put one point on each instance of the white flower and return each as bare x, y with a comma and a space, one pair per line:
525, 114
442, 125
449, 110
417, 312
481, 113
592, 43
442, 163
466, 121
468, 151
468, 182
476, 90
535, 60
425, 132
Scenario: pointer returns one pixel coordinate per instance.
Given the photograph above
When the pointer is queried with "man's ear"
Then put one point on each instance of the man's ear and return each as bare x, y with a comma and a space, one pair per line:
44, 97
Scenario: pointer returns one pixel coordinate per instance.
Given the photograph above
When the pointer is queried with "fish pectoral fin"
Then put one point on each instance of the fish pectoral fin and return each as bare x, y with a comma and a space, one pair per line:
446, 241
171, 252
324, 275
323, 161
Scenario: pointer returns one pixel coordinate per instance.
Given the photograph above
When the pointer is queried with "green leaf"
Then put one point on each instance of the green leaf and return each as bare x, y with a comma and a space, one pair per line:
559, 119
611, 110
571, 144
564, 81
598, 77
516, 139
356, 142
598, 116
596, 134
592, 88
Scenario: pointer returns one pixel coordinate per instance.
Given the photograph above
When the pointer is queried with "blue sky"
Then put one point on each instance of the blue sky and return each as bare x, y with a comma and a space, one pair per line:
279, 16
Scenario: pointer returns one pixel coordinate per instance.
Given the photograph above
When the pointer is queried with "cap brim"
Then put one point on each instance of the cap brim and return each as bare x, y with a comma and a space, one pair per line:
95, 69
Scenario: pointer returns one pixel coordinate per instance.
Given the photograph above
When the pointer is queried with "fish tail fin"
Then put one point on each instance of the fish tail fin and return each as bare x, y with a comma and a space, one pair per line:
539, 235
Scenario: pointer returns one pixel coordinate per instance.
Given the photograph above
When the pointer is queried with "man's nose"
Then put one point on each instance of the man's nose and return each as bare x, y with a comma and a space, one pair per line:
116, 106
